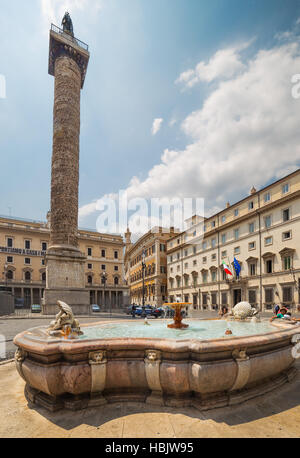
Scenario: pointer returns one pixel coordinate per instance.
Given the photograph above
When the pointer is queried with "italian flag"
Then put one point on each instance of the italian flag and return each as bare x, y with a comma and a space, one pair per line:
226, 268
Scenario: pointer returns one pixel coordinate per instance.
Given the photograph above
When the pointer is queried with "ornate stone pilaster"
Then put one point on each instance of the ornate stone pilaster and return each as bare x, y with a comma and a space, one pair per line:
243, 366
152, 367
20, 356
98, 363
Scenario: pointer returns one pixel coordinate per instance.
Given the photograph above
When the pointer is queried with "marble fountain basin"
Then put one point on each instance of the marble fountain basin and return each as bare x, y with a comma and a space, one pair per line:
156, 365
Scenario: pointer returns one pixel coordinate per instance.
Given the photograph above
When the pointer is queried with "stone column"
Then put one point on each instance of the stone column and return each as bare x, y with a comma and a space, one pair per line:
68, 60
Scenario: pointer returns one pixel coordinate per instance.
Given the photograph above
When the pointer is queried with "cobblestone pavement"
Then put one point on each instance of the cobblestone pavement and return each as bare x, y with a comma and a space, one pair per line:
274, 415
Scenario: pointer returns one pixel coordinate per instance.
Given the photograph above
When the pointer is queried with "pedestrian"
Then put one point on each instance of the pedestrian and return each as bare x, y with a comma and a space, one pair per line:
133, 309
276, 309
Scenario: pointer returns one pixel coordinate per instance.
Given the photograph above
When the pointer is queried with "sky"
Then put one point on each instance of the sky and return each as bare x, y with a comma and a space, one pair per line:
182, 98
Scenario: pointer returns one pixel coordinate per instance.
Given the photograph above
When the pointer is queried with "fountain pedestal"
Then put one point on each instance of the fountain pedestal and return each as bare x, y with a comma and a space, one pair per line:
178, 306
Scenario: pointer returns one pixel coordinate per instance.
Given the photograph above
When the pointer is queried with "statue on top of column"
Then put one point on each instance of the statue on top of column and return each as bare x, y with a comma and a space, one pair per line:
67, 24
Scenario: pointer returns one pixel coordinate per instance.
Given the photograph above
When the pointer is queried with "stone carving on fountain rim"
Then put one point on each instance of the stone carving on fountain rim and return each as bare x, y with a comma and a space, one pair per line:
97, 357
20, 355
153, 355
240, 355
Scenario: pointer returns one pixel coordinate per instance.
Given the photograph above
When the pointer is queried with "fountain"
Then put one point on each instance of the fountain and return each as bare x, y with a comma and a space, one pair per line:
178, 306
178, 365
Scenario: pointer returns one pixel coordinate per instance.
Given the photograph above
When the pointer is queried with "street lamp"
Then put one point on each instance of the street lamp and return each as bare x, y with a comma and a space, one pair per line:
143, 271
5, 269
104, 279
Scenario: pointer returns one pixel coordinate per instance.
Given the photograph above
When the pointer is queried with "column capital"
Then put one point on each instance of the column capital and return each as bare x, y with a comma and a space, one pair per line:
62, 44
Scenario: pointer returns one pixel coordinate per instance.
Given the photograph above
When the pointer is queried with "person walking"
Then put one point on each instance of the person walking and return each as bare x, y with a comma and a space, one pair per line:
133, 309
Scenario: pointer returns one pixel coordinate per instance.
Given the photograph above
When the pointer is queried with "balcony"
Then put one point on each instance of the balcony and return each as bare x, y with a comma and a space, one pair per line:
68, 37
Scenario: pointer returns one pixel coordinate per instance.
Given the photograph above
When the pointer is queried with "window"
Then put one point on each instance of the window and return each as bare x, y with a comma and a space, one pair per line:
171, 269
204, 228
44, 246
89, 251
213, 224
27, 261
10, 259
252, 296
213, 243
268, 221
186, 265
252, 268
213, 257
90, 266
9, 242
287, 235
103, 254
9, 275
224, 254
224, 298
194, 233
27, 276
214, 275
178, 241
286, 214
268, 241
236, 212
269, 295
171, 258
267, 197
287, 294
213, 298
44, 276
194, 249
204, 260
223, 219
43, 262
195, 262
90, 279
185, 252
269, 266
186, 280
237, 250
251, 205
224, 275
285, 188
178, 255
103, 267
251, 228
251, 246
116, 281
27, 244
204, 245
287, 262
116, 254
162, 247
204, 298
223, 238
116, 268
236, 233
204, 277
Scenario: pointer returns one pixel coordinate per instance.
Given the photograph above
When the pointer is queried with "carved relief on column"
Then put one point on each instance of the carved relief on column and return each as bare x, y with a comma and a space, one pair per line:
243, 364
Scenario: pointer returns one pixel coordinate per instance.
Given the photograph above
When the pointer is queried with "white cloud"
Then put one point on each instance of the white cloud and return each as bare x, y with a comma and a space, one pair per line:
53, 10
224, 64
245, 133
157, 123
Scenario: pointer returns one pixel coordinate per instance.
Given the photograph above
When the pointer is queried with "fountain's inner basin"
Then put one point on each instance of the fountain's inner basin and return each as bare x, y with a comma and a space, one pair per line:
198, 329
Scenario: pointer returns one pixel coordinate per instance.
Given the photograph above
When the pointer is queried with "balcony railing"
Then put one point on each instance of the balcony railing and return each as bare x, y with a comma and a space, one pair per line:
68, 37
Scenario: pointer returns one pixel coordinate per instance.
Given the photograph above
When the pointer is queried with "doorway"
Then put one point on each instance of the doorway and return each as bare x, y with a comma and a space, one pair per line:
237, 296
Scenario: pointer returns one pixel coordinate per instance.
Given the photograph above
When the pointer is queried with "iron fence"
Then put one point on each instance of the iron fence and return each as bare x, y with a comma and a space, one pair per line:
68, 37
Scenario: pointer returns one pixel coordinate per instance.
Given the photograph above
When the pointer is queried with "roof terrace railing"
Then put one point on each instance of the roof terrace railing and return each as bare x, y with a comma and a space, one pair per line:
73, 40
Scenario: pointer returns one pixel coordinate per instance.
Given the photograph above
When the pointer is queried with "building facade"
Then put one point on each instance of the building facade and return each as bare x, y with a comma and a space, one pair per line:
262, 232
23, 247
154, 245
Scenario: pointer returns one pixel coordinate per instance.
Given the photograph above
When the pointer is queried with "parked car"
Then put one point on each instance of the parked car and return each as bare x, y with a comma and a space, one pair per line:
95, 308
36, 308
128, 310
139, 311
19, 302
